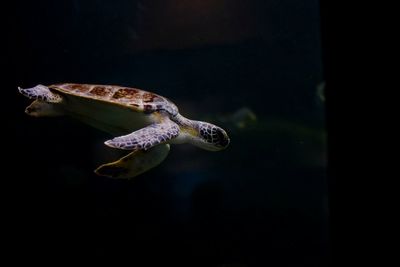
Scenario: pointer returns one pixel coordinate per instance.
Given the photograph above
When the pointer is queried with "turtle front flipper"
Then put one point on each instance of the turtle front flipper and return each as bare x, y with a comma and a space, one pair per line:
147, 137
135, 163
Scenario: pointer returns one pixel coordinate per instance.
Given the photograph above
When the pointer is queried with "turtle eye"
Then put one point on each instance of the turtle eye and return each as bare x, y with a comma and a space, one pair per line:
220, 137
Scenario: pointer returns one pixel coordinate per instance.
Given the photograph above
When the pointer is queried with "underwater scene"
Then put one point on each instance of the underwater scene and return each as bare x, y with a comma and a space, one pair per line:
192, 128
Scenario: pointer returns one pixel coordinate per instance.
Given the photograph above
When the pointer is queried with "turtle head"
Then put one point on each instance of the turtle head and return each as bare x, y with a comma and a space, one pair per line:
201, 134
211, 137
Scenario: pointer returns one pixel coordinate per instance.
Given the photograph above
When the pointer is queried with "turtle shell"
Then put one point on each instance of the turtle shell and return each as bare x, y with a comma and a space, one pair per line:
131, 98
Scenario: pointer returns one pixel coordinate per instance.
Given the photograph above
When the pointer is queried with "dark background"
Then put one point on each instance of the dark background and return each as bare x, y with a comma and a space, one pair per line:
263, 201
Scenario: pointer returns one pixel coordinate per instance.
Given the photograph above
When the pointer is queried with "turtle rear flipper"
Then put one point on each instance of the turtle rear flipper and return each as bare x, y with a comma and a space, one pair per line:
135, 163
41, 92
40, 108
45, 101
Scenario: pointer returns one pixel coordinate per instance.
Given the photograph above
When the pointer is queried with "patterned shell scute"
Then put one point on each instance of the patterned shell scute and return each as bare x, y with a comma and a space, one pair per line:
133, 98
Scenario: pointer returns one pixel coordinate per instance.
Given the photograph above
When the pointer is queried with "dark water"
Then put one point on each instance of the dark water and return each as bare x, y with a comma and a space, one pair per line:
261, 202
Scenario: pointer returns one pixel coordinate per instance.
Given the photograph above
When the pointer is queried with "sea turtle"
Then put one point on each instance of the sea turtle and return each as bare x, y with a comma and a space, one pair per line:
145, 123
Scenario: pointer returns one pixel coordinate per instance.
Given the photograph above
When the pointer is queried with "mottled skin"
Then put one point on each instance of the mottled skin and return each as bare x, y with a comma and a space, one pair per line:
143, 121
147, 137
